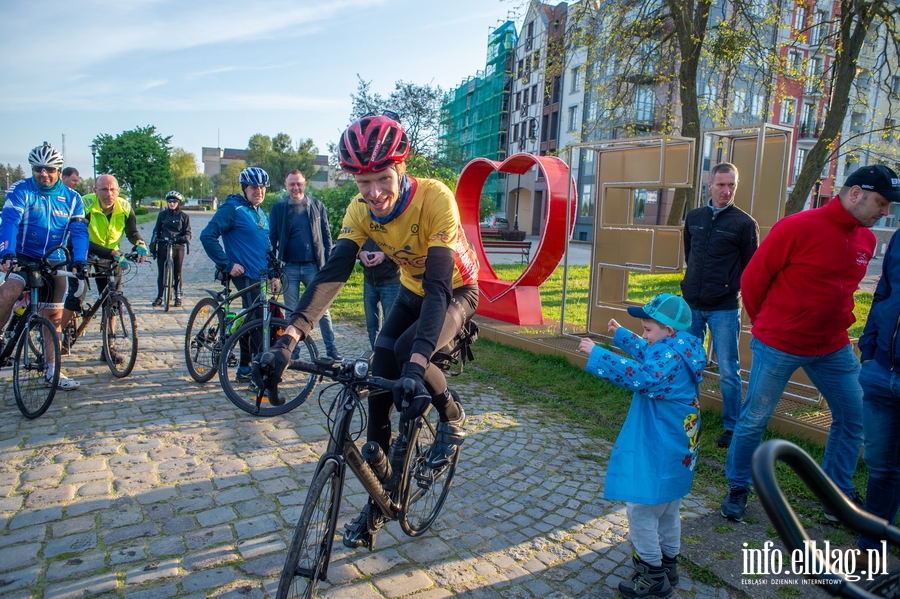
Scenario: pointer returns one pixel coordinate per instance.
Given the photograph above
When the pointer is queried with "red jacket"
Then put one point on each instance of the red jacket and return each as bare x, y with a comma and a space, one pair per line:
798, 287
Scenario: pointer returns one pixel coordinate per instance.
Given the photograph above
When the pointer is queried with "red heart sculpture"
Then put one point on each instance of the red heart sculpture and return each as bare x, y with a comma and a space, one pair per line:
519, 301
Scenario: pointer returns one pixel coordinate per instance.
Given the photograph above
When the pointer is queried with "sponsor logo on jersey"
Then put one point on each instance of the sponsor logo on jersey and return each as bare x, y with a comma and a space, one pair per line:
377, 227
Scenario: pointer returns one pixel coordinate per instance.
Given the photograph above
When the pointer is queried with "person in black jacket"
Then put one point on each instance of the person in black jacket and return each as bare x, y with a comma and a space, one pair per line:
172, 223
719, 240
381, 284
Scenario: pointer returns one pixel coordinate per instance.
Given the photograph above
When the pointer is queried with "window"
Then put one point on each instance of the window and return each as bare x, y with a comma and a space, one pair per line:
895, 86
808, 120
576, 79
798, 164
800, 18
794, 63
518, 100
818, 33
740, 101
585, 199
756, 106
814, 75
521, 68
788, 110
515, 133
534, 94
573, 118
531, 29
644, 103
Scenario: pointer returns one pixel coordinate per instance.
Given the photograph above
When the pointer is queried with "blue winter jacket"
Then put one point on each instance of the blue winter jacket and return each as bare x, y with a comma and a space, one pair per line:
245, 233
654, 456
34, 220
881, 336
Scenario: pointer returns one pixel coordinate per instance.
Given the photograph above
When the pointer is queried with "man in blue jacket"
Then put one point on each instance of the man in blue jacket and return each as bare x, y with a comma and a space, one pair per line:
879, 375
244, 229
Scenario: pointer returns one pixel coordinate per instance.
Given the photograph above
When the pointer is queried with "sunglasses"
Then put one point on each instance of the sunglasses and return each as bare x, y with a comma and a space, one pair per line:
44, 169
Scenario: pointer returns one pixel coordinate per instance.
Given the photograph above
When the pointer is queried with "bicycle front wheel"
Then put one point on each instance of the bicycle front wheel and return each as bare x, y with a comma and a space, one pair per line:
310, 550
38, 348
168, 290
120, 341
423, 490
203, 339
234, 369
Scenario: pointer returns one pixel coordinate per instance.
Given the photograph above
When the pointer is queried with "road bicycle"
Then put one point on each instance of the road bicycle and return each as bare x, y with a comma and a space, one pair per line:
31, 343
118, 326
791, 531
169, 270
214, 331
402, 486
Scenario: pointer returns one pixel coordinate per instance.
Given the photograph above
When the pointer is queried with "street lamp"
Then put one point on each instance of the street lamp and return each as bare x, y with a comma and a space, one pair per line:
94, 159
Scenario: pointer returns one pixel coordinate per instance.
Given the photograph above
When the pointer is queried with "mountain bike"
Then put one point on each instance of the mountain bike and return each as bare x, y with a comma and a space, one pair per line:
34, 340
795, 537
402, 485
169, 270
118, 326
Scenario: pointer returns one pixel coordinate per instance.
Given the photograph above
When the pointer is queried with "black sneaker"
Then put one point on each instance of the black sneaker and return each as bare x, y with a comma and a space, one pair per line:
448, 437
735, 503
648, 581
335, 355
361, 532
725, 439
157, 302
671, 566
177, 302
854, 498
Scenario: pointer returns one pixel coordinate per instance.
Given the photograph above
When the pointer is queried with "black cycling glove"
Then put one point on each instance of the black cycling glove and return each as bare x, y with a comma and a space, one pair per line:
410, 389
80, 269
267, 369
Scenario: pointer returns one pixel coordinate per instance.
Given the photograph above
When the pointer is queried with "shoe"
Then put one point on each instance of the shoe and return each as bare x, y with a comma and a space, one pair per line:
335, 355
177, 302
157, 302
648, 581
725, 439
116, 358
448, 437
671, 566
361, 532
242, 374
854, 498
735, 503
65, 383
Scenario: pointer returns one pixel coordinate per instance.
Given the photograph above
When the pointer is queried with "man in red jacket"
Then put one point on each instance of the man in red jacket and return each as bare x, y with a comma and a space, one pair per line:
798, 292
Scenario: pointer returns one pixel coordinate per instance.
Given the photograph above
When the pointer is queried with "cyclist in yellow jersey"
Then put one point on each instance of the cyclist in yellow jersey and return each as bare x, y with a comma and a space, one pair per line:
415, 222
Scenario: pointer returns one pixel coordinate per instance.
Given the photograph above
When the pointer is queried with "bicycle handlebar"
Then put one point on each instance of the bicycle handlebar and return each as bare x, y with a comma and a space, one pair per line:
785, 521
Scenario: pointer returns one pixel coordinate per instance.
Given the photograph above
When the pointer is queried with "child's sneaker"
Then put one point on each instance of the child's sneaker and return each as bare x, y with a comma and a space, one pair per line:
671, 566
648, 581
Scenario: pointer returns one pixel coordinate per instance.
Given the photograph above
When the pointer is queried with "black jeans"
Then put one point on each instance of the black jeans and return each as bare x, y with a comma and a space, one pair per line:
177, 259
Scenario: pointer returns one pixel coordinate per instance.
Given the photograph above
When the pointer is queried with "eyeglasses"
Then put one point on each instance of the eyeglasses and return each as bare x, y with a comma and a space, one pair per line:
107, 189
44, 169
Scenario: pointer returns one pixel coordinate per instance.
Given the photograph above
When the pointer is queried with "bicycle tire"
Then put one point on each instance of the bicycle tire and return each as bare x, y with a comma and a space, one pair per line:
295, 386
203, 340
168, 288
34, 392
424, 490
310, 550
120, 340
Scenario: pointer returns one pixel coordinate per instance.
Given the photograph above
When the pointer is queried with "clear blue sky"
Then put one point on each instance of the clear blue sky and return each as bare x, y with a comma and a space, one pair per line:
209, 72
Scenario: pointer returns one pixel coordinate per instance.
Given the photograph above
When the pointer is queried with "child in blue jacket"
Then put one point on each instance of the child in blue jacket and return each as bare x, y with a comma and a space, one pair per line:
652, 463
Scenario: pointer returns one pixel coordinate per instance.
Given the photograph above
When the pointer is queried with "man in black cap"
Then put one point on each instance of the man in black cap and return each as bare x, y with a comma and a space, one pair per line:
879, 377
798, 292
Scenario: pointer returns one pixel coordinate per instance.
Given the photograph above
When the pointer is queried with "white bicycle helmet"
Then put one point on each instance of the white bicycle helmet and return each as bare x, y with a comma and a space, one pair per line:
46, 155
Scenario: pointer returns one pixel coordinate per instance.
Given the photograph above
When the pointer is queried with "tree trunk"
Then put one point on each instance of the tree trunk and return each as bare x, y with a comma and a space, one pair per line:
855, 20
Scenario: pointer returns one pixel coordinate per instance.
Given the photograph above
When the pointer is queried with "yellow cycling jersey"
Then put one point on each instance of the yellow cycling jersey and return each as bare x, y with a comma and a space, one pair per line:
430, 220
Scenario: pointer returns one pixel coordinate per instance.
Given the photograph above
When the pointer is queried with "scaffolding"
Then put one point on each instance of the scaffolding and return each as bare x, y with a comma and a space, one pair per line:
475, 114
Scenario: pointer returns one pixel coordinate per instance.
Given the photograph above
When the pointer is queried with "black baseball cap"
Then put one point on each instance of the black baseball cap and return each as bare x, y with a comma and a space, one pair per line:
877, 178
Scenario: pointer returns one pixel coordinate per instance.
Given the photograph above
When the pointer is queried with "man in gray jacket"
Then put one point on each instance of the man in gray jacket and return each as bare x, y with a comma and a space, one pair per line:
301, 237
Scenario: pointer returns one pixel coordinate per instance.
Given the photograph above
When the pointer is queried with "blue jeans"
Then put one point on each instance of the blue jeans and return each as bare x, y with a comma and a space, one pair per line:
294, 274
881, 421
835, 375
725, 330
373, 296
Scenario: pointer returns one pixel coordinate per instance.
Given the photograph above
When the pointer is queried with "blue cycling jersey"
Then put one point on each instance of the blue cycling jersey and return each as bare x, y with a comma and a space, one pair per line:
33, 221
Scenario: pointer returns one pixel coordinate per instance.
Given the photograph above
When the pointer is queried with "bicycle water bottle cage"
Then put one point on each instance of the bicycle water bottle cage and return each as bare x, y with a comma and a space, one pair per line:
458, 351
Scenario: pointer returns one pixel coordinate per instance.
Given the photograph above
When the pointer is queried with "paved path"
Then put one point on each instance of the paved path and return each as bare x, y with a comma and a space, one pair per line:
154, 487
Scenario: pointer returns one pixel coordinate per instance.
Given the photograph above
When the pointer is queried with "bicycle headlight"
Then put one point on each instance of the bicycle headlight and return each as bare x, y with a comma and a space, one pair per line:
360, 369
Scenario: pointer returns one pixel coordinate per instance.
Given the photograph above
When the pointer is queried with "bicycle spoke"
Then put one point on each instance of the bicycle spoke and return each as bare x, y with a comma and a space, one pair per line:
37, 349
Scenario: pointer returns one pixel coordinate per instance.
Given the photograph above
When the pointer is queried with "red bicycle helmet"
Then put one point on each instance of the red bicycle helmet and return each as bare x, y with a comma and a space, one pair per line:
371, 144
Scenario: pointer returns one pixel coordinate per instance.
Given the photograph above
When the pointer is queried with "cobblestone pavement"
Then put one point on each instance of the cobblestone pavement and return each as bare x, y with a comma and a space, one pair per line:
154, 486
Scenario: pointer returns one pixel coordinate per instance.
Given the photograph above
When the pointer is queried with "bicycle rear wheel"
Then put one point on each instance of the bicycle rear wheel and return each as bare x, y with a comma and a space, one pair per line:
168, 287
203, 339
37, 349
120, 341
310, 550
295, 385
423, 490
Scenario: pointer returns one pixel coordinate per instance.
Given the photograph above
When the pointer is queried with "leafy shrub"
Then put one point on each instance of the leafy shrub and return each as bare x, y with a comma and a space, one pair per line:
511, 235
139, 210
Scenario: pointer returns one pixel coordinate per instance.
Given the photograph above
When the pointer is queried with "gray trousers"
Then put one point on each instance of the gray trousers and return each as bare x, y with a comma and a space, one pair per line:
655, 530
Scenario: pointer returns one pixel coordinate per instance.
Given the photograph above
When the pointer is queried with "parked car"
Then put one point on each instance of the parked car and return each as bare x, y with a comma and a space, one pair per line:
495, 222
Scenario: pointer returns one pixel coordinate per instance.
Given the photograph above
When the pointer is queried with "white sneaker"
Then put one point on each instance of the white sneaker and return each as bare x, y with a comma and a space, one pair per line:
67, 384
